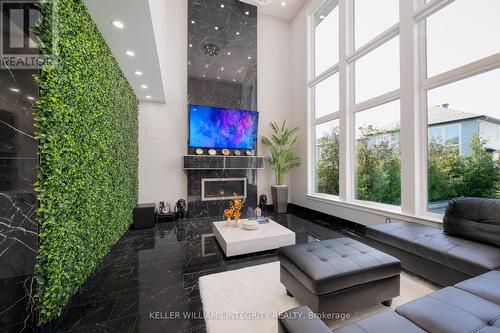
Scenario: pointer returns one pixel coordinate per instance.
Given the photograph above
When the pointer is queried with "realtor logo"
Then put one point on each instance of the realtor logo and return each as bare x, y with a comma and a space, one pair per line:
19, 44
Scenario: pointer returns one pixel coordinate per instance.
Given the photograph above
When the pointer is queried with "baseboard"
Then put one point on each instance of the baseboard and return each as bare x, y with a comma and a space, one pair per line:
325, 219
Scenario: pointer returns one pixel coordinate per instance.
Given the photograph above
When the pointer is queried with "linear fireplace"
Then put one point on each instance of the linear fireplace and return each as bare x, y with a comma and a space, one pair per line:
223, 188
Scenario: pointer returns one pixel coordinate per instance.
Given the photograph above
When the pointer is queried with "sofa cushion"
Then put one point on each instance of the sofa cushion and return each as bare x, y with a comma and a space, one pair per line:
301, 319
432, 243
384, 322
331, 265
474, 218
452, 310
486, 286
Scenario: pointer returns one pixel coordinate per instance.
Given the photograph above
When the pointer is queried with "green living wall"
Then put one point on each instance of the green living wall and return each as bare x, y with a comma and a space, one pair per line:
88, 177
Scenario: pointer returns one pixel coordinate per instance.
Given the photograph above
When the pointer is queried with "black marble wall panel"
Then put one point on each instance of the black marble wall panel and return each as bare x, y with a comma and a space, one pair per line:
222, 54
223, 162
18, 225
198, 208
222, 70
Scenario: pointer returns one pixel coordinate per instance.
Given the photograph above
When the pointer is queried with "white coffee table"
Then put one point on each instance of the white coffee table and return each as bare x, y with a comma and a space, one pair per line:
236, 240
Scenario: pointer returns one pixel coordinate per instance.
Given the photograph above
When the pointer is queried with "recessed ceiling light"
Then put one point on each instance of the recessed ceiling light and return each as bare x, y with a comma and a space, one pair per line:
222, 68
138, 73
206, 65
130, 53
118, 24
249, 57
229, 53
247, 13
322, 17
216, 28
193, 22
148, 97
204, 75
15, 90
237, 32
190, 45
218, 77
143, 86
31, 98
234, 80
283, 3
221, 6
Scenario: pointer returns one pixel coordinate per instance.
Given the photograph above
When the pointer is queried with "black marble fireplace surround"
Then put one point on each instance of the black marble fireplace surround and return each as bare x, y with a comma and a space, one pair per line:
222, 72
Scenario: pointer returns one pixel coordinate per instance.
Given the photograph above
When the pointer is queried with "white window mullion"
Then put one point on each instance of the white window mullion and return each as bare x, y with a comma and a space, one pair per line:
410, 131
346, 75
422, 186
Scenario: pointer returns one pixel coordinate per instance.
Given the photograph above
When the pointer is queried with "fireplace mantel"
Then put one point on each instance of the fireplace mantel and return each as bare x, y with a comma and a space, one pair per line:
204, 162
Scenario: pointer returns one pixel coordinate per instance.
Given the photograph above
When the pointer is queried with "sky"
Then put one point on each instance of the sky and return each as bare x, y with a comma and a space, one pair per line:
462, 32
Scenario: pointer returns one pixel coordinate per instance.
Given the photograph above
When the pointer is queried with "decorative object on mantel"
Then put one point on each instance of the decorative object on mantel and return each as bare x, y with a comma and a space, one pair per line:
234, 211
181, 207
258, 212
237, 152
263, 203
283, 158
225, 152
212, 152
199, 151
249, 152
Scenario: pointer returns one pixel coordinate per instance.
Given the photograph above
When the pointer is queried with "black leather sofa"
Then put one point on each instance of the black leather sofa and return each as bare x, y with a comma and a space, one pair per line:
472, 306
465, 254
468, 246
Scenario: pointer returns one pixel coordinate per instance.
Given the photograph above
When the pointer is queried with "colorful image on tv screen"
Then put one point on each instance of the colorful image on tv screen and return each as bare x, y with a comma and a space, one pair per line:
212, 127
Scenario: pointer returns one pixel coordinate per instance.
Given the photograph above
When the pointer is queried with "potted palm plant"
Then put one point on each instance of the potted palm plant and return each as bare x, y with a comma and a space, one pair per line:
282, 158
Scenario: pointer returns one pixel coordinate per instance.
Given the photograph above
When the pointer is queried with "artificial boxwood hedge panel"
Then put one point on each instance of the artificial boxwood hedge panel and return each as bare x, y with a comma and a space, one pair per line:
87, 128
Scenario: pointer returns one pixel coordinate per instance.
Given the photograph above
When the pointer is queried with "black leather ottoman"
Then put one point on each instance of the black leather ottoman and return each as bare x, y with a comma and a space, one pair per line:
339, 275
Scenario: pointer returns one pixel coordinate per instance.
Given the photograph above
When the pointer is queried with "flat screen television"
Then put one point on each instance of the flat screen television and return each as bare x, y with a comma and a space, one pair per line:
213, 127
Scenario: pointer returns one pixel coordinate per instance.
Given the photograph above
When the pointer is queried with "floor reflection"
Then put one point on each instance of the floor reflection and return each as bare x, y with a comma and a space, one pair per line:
152, 273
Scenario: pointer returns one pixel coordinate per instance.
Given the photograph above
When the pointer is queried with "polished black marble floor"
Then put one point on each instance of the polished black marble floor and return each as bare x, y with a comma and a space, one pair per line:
150, 273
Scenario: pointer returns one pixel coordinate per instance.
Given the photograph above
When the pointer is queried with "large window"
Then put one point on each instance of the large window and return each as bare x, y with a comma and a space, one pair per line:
378, 71
372, 18
378, 168
326, 21
405, 109
463, 145
462, 32
327, 157
325, 98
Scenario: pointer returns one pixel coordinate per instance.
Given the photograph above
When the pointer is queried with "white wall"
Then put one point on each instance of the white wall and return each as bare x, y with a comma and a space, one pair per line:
163, 127
298, 115
273, 84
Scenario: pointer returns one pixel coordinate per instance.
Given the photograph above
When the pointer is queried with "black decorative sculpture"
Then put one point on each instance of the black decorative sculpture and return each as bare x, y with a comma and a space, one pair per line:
181, 208
263, 203
161, 207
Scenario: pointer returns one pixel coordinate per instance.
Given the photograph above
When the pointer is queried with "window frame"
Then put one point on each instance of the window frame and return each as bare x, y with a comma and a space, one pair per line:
412, 93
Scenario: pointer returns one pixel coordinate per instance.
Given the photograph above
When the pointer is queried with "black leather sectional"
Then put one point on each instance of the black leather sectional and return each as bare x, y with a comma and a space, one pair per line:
465, 256
472, 306
468, 246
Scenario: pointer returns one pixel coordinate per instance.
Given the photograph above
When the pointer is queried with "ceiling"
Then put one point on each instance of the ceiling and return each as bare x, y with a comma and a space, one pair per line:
275, 8
137, 36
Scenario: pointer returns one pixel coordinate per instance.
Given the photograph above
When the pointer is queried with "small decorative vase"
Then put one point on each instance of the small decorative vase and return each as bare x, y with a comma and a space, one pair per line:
228, 221
236, 222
